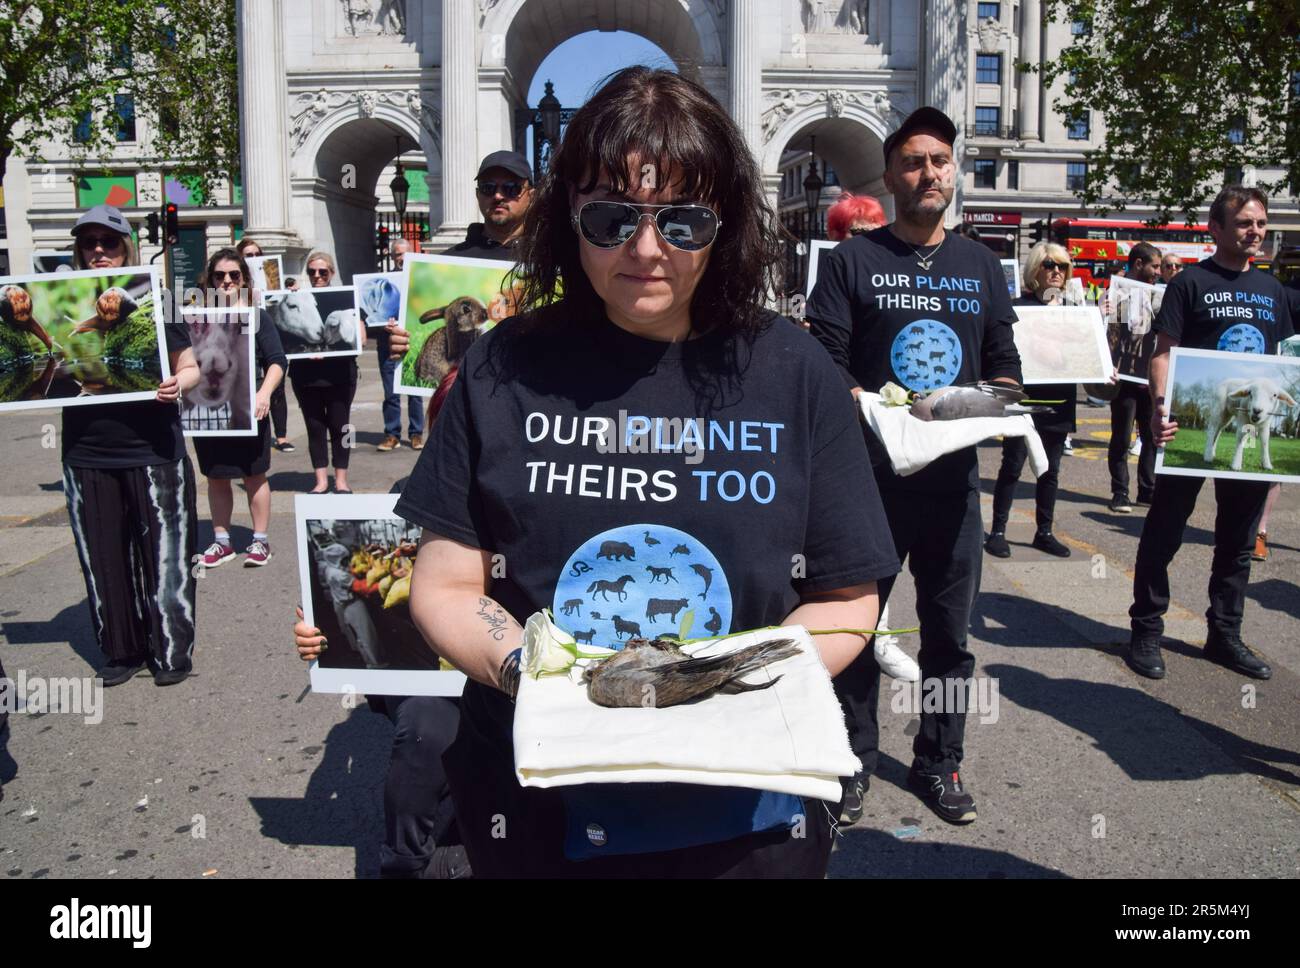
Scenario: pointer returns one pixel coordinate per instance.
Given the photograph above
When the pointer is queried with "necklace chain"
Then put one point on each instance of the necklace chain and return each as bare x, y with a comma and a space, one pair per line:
924, 261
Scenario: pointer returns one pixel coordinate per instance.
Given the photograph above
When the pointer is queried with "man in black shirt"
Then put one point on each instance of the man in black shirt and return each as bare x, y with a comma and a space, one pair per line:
1221, 304
915, 305
505, 191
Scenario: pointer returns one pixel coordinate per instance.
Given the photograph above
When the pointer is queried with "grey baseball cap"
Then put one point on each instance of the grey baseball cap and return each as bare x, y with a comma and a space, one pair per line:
511, 161
922, 119
105, 215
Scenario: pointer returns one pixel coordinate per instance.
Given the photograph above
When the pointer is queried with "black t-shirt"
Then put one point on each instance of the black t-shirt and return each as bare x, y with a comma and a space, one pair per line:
625, 483
884, 318
267, 345
1208, 307
333, 371
478, 246
134, 434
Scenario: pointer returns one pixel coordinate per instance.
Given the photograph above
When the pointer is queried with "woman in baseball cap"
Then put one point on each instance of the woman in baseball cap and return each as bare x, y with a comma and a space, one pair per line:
130, 492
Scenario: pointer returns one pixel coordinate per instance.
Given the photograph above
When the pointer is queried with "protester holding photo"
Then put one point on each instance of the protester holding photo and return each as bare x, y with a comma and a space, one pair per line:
249, 249
1222, 304
131, 497
222, 459
324, 388
1046, 269
655, 219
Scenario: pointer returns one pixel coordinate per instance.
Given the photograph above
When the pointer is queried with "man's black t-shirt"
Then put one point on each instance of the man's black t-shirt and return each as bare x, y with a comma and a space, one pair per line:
884, 318
1208, 307
478, 246
136, 434
625, 483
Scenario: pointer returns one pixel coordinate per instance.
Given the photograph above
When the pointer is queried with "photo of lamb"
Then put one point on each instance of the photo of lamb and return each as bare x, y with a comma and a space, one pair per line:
356, 559
447, 303
81, 337
315, 322
1238, 416
222, 403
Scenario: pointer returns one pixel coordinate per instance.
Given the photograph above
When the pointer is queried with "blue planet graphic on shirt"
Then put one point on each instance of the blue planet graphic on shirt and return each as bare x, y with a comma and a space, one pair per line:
1242, 338
926, 355
641, 580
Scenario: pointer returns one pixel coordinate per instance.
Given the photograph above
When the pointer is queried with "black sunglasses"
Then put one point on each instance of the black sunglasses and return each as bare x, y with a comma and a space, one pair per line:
1049, 265
508, 190
234, 275
318, 272
607, 225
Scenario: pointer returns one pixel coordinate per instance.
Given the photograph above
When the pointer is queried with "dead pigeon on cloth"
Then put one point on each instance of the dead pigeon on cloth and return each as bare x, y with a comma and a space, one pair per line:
657, 673
980, 400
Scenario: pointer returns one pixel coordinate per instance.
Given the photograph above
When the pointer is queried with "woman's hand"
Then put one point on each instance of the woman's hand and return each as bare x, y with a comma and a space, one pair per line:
309, 641
261, 404
399, 340
1114, 376
169, 391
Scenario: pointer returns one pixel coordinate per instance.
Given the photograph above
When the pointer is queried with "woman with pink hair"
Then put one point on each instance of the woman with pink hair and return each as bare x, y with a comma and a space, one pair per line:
853, 214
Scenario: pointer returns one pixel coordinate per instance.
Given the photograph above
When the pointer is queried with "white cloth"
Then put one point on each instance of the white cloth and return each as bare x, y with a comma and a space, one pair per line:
789, 738
913, 443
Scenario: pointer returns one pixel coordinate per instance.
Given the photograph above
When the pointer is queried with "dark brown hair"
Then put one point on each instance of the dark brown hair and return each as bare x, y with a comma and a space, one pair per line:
1231, 199
227, 255
678, 126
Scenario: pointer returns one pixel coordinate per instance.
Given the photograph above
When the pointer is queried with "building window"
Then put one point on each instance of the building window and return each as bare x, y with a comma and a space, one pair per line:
988, 68
1075, 174
986, 173
1013, 176
986, 120
829, 175
1080, 28
1232, 175
1237, 131
1079, 128
124, 109
81, 131
989, 11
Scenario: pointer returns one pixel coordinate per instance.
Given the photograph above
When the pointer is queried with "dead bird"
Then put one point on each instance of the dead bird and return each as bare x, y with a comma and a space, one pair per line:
658, 673
980, 400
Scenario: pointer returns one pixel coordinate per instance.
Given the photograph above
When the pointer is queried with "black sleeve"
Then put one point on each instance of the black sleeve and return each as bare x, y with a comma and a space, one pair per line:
1174, 308
176, 335
1288, 313
442, 494
847, 539
269, 348
830, 311
999, 356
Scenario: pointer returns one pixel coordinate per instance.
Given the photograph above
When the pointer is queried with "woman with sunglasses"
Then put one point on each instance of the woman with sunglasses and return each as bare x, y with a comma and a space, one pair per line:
1047, 269
222, 459
324, 389
250, 249
653, 217
131, 497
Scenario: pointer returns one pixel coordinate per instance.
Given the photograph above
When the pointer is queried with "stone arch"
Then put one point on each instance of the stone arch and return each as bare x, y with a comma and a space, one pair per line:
852, 141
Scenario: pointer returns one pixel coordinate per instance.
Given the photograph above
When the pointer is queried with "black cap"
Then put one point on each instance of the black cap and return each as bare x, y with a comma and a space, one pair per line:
922, 119
511, 161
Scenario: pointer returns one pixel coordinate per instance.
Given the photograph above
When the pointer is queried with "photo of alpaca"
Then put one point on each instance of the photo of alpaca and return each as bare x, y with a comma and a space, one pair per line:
221, 404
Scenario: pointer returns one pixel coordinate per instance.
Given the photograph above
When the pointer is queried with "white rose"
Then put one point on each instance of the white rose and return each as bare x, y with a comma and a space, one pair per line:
892, 395
546, 649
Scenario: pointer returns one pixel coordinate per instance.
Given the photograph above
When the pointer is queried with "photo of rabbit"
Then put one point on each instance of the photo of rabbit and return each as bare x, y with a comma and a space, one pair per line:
221, 404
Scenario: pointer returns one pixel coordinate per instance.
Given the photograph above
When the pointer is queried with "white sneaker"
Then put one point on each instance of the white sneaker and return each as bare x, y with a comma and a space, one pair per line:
1137, 446
894, 661
1069, 445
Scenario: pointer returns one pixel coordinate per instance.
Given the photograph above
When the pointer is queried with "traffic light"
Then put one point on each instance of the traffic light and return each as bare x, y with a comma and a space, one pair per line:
1039, 230
151, 221
381, 240
173, 223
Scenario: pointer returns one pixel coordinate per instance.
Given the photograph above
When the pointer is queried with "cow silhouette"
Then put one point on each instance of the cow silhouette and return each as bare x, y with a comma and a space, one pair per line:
656, 573
571, 606
616, 551
917, 330
664, 606
941, 369
584, 636
938, 354
601, 587
622, 628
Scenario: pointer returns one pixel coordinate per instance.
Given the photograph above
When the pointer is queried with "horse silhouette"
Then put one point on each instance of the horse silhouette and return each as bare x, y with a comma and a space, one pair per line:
601, 587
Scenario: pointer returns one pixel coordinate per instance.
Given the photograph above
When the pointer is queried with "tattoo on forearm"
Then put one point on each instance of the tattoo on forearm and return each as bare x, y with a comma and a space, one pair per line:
496, 618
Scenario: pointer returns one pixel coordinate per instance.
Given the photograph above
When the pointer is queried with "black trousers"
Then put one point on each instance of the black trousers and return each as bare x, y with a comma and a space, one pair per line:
941, 535
136, 531
326, 411
1133, 402
418, 812
1240, 506
280, 412
1014, 454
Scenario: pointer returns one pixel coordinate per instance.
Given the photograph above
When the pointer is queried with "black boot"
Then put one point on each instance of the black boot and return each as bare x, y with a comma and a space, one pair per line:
1227, 649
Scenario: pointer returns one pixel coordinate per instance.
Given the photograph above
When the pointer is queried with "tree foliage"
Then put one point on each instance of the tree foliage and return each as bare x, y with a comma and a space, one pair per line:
63, 62
1190, 92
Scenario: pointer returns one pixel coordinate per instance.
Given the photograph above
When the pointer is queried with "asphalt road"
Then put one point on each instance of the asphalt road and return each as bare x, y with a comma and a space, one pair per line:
1081, 769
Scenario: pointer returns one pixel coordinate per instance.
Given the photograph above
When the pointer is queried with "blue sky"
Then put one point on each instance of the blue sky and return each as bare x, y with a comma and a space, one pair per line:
581, 62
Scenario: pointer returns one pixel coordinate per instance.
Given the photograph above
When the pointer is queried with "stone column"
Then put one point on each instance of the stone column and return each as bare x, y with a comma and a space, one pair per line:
459, 127
945, 50
263, 95
1031, 33
746, 76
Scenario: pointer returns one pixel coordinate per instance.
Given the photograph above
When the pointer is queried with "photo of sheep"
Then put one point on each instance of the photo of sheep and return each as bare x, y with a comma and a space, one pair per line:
1062, 344
1238, 416
356, 559
447, 303
315, 322
378, 297
221, 405
85, 337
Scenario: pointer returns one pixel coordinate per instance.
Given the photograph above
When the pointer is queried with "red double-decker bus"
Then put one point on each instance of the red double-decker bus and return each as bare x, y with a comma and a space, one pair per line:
1099, 246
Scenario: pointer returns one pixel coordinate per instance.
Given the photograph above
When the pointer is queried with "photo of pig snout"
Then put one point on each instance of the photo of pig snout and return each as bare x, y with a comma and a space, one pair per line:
464, 317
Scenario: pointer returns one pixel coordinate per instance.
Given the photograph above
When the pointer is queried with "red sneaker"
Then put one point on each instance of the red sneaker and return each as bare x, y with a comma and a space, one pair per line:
258, 554
217, 555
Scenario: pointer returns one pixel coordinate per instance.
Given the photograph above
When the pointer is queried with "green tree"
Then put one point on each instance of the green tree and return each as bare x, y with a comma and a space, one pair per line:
1190, 92
66, 65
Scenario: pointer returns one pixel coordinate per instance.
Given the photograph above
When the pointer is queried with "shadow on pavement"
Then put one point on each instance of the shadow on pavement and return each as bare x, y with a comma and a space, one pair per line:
1131, 525
1011, 620
874, 853
343, 803
1257, 758
71, 625
299, 481
1280, 596
1130, 726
